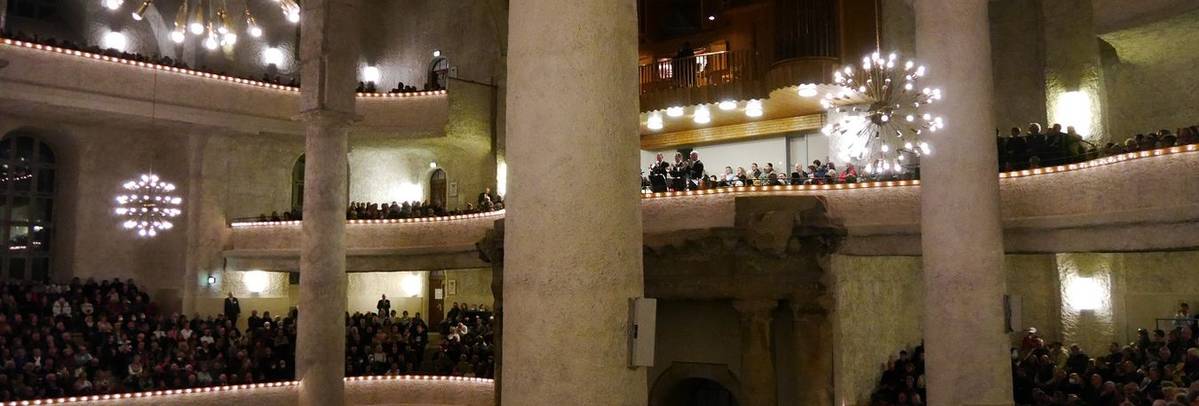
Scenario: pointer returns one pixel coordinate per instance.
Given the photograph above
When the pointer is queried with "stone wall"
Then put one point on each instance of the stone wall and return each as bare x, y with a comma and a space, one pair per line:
472, 287
1154, 84
879, 311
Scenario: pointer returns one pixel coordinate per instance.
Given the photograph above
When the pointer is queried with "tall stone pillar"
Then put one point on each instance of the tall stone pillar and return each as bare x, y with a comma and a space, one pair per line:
572, 252
328, 51
813, 351
961, 235
3, 14
757, 361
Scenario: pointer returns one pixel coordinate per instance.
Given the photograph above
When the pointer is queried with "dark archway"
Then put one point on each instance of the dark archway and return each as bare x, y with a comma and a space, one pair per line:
694, 383
439, 73
699, 392
438, 188
27, 191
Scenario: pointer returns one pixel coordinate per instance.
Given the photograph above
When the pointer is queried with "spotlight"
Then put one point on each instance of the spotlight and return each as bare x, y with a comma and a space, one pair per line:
702, 115
807, 90
140, 13
436, 53
115, 40
371, 74
272, 56
711, 18
654, 122
211, 280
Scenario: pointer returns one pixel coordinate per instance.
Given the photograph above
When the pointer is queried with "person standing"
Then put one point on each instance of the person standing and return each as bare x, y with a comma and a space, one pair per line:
232, 308
384, 306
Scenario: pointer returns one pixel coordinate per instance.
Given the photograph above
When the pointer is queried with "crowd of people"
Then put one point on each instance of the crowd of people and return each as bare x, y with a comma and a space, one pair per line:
267, 77
1035, 148
488, 201
688, 173
89, 338
1159, 368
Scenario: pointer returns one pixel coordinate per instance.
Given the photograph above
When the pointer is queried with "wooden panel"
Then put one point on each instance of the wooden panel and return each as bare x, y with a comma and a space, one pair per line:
729, 133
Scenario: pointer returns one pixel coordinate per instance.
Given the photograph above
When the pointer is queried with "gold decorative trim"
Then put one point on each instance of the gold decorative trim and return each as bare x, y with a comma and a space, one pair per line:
729, 133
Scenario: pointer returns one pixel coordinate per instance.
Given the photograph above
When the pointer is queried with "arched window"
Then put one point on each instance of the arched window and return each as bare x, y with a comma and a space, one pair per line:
26, 206
439, 73
437, 188
297, 184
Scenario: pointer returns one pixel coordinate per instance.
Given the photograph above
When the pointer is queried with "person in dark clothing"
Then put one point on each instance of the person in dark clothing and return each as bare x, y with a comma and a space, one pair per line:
384, 306
232, 308
695, 171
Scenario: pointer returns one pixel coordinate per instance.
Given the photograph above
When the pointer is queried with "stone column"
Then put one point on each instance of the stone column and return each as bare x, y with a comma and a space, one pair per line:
813, 348
961, 234
572, 251
3, 14
328, 51
757, 361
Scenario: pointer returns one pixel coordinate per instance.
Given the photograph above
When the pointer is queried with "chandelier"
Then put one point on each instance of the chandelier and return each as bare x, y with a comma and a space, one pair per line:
883, 109
147, 205
212, 24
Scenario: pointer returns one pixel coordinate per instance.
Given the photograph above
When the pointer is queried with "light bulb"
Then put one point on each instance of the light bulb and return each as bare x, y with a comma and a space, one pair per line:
210, 42
727, 105
654, 122
112, 4
196, 28
702, 115
229, 39
255, 31
177, 36
675, 111
293, 16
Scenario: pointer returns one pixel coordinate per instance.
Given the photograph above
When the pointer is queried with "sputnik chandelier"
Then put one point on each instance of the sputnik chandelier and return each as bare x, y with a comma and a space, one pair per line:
210, 20
883, 109
147, 205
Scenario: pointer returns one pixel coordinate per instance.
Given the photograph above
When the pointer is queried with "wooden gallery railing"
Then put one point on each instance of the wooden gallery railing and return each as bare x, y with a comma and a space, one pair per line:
710, 69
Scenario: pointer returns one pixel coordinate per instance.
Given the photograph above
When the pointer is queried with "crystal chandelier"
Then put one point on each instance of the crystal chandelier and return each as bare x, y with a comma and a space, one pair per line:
210, 20
883, 109
147, 205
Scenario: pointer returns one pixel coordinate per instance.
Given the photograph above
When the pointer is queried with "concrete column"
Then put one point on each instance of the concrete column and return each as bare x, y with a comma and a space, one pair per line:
813, 352
3, 14
757, 361
328, 51
961, 234
572, 254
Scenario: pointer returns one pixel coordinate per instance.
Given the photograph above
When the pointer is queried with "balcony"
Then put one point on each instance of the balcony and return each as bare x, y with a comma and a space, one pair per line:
45, 80
700, 79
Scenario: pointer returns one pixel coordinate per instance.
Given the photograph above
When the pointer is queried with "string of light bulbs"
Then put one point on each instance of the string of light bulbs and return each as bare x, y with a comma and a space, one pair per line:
210, 20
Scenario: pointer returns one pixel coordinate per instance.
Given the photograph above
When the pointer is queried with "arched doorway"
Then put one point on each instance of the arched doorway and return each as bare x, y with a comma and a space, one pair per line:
297, 185
439, 73
699, 392
26, 206
695, 383
437, 188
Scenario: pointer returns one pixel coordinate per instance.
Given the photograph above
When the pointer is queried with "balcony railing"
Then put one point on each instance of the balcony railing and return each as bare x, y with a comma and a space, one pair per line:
710, 69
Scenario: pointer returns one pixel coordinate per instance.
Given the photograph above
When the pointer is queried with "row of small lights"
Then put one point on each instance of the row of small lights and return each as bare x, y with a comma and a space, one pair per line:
377, 221
207, 75
702, 115
797, 188
230, 388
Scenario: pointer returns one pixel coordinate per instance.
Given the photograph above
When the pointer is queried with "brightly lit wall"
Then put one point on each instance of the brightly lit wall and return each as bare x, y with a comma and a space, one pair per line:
406, 290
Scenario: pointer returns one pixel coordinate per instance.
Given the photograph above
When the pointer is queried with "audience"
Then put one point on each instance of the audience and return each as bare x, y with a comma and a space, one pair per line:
1032, 148
689, 174
275, 79
1158, 368
89, 338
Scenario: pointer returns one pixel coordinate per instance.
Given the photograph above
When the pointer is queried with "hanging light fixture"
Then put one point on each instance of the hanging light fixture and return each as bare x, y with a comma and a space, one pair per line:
252, 26
147, 205
140, 13
196, 26
883, 112
290, 9
180, 32
212, 41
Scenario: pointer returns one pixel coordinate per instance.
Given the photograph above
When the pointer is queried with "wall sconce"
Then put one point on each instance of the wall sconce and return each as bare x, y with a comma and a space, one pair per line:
211, 280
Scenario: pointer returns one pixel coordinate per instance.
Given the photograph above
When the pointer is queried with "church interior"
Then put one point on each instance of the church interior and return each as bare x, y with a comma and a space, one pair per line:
599, 202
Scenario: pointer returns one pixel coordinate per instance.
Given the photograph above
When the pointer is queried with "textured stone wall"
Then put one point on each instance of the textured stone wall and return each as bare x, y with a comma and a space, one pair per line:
1033, 279
879, 310
1154, 85
473, 287
697, 332
1017, 55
